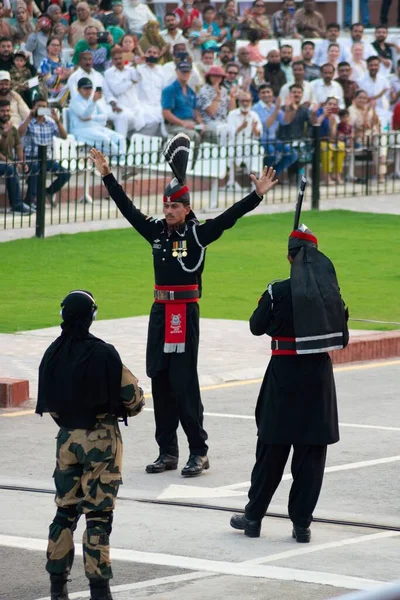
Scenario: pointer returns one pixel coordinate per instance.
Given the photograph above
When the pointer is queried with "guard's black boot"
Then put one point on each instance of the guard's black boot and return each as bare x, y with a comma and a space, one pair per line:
301, 534
58, 587
100, 590
195, 465
250, 528
165, 462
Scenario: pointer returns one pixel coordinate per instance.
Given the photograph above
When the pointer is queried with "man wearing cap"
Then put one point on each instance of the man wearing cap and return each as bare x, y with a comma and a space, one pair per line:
88, 121
19, 109
86, 389
37, 41
306, 318
179, 245
179, 54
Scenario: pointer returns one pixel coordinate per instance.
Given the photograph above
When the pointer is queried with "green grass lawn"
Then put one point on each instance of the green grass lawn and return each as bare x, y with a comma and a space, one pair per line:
116, 266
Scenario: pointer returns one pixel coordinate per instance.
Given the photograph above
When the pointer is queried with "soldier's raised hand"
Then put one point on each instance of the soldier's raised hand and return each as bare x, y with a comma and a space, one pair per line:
100, 162
266, 181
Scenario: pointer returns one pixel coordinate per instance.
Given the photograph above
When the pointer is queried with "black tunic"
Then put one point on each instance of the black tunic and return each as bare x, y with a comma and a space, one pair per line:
168, 270
297, 400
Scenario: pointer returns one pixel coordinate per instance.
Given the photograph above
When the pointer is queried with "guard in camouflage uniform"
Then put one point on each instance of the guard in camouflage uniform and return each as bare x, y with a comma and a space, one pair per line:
86, 389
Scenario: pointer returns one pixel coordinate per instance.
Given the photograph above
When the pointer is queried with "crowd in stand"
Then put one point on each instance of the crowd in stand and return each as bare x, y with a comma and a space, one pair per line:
103, 70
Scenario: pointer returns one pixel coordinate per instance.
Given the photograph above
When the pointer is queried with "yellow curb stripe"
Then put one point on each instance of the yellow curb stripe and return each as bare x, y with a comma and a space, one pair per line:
229, 384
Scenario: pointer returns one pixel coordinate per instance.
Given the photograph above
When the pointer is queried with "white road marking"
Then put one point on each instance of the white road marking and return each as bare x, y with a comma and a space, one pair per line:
212, 566
188, 491
141, 585
361, 539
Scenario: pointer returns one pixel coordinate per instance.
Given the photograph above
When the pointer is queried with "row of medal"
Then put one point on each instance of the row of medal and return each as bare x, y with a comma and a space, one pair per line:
179, 249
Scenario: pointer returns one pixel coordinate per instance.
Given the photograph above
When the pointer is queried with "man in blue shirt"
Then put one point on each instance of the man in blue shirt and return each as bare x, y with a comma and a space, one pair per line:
178, 102
268, 112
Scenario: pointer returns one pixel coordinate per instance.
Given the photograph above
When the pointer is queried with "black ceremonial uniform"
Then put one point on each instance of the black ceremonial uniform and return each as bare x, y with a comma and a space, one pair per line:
174, 376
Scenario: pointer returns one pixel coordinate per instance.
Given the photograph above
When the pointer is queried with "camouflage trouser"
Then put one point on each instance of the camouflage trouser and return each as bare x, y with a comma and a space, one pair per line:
87, 478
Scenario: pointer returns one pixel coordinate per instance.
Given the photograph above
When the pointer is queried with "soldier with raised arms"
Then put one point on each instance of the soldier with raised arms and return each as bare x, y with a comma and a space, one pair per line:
179, 244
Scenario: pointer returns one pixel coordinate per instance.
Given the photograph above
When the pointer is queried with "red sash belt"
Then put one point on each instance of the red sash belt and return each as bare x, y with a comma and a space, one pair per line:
283, 346
175, 298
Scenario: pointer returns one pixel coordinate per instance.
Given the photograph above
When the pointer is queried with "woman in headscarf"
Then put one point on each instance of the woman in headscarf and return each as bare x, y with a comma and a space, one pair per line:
152, 37
85, 387
23, 25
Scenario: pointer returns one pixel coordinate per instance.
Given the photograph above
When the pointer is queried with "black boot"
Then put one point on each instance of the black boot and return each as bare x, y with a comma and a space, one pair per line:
195, 465
165, 462
58, 587
100, 590
301, 534
250, 528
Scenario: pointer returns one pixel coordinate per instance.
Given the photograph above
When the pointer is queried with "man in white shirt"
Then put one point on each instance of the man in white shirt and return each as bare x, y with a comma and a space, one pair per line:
356, 35
87, 121
172, 34
299, 72
137, 14
122, 82
377, 87
244, 127
332, 36
120, 117
150, 85
325, 87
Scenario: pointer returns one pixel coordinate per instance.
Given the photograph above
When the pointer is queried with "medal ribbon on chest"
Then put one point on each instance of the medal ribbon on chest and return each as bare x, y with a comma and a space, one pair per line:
179, 249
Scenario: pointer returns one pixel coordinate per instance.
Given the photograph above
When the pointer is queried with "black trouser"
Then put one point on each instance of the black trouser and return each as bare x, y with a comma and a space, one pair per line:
176, 397
308, 464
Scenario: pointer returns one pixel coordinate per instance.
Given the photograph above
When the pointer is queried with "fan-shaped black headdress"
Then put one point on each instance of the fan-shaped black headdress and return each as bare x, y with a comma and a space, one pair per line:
177, 155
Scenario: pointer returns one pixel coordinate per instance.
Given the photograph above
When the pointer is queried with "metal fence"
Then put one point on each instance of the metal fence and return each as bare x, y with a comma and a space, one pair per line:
218, 175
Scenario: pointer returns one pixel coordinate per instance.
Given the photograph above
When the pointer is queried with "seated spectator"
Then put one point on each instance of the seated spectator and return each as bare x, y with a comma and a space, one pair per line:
299, 78
284, 21
333, 151
214, 102
84, 20
23, 25
293, 122
179, 54
245, 69
309, 22
116, 18
11, 160
357, 63
20, 74
179, 106
6, 54
186, 14
273, 74
225, 30
225, 56
325, 87
377, 87
256, 18
268, 111
38, 130
5, 29
150, 86
344, 128
332, 36
138, 14
209, 25
231, 77
349, 86
256, 82
383, 50
86, 69
88, 121
255, 55
54, 71
244, 127
172, 34
206, 62
19, 109
132, 52
197, 36
61, 32
231, 16
55, 15
286, 52
152, 37
313, 71
394, 86
333, 57
101, 51
37, 41
356, 37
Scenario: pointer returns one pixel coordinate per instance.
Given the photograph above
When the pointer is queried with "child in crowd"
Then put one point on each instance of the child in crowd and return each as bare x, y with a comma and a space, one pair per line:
255, 56
20, 73
344, 128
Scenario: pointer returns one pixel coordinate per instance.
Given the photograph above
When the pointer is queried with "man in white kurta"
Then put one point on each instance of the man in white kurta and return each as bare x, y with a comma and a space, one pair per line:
377, 87
87, 121
151, 84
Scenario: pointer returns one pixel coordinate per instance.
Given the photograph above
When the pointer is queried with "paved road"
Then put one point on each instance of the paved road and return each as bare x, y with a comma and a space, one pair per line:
194, 548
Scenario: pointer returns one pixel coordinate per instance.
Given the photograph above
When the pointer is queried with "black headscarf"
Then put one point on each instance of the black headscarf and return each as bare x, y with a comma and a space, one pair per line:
319, 316
80, 374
